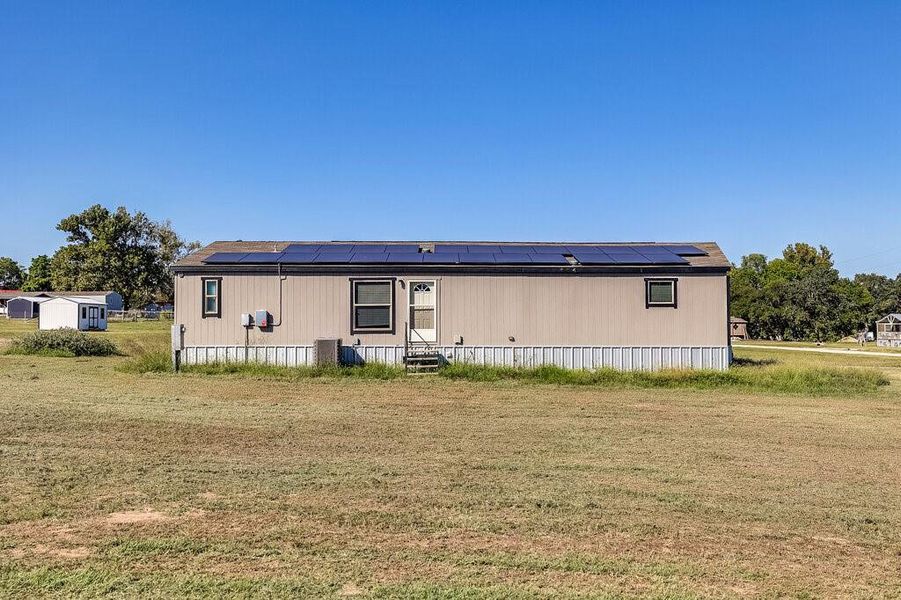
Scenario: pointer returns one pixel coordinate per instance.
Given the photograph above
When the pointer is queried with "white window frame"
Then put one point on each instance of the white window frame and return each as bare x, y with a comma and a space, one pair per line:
647, 292
354, 328
434, 283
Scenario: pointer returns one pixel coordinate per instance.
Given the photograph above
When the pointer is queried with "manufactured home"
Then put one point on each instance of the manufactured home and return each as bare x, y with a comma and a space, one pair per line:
73, 312
587, 305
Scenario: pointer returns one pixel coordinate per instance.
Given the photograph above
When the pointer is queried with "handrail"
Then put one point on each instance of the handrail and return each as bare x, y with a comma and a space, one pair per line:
422, 339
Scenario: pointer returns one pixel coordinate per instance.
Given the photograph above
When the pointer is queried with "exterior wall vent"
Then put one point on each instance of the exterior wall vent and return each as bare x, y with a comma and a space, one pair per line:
327, 352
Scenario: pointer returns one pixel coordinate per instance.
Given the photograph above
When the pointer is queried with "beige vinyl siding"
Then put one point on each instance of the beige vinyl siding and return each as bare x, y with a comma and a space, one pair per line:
485, 309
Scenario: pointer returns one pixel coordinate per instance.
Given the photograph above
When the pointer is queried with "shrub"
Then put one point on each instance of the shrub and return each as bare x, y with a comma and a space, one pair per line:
64, 342
150, 362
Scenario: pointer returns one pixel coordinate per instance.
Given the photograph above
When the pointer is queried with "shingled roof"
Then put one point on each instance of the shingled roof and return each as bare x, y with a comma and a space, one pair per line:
714, 259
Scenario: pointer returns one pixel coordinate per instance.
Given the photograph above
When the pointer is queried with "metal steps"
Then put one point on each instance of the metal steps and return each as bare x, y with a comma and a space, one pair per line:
422, 361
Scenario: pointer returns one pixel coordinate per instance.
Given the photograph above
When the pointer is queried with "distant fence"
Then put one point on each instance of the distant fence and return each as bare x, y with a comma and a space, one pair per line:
140, 315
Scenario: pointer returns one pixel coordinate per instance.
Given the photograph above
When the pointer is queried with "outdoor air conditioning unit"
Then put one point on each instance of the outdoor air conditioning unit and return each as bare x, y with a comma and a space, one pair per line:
327, 352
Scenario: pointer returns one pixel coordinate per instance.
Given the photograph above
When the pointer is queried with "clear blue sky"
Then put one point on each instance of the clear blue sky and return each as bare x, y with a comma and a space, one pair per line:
754, 124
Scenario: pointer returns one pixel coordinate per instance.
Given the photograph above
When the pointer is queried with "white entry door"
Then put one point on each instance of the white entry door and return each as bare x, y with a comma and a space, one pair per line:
423, 312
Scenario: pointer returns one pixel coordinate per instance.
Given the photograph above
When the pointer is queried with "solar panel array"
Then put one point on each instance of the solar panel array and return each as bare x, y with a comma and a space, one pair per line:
465, 254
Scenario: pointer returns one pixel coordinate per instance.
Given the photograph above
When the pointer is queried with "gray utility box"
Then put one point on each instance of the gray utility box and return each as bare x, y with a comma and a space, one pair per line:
327, 352
261, 319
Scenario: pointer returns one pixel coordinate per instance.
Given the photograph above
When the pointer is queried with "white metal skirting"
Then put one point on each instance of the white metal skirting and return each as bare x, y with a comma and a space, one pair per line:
626, 358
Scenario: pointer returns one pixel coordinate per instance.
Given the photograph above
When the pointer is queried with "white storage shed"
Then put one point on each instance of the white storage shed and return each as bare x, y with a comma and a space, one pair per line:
74, 312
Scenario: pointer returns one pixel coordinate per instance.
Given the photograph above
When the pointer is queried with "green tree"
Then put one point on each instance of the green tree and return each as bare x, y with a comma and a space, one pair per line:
11, 274
748, 294
799, 296
117, 250
38, 278
886, 295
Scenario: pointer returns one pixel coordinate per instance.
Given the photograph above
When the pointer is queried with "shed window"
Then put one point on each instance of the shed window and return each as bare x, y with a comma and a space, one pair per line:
372, 307
102, 313
84, 312
212, 297
660, 292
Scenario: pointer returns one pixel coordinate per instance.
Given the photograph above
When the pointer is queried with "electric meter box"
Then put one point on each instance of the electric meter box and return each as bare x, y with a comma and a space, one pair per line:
262, 318
246, 320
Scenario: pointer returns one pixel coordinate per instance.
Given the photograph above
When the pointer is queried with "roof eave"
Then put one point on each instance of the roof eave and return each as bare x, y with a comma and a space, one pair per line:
433, 268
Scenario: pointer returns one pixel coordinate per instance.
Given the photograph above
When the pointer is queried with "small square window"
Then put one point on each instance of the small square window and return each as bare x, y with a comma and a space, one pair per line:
660, 292
211, 297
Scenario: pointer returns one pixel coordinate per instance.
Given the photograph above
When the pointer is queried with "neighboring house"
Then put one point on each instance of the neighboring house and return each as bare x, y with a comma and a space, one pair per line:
626, 306
738, 328
73, 312
113, 300
6, 296
888, 331
24, 307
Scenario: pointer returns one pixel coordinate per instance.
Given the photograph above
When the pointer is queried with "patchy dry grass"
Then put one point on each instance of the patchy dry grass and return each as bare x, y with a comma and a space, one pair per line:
758, 376
854, 346
121, 484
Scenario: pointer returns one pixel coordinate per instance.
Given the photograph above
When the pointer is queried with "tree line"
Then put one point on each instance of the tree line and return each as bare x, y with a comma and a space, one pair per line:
802, 296
105, 250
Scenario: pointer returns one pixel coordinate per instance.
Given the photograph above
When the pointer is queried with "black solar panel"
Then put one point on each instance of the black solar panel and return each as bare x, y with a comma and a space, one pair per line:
405, 258
549, 259
617, 250
368, 257
302, 248
400, 254
297, 258
685, 250
262, 257
631, 259
661, 256
484, 249
477, 258
648, 250
593, 258
332, 248
508, 258
408, 248
447, 258
370, 248
332, 257
225, 257
670, 260
517, 249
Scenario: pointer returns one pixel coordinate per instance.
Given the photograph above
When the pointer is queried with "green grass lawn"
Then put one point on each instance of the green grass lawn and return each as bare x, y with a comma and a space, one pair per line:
118, 484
